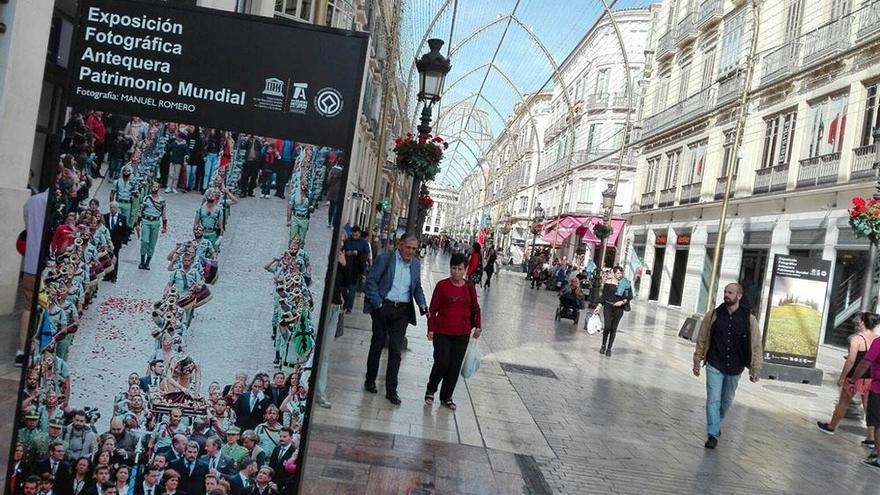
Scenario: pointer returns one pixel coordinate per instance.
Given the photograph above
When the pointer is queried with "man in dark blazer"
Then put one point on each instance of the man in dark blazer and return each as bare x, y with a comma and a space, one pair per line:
244, 479
216, 460
115, 223
154, 378
57, 467
393, 283
277, 391
192, 471
284, 451
250, 406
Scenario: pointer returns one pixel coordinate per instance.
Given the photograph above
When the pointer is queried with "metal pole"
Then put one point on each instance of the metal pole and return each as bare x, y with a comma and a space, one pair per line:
626, 125
740, 122
386, 100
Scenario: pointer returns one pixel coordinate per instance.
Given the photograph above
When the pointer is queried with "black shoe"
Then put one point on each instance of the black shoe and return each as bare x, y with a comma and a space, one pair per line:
602, 350
711, 442
608, 352
393, 398
20, 359
825, 428
371, 388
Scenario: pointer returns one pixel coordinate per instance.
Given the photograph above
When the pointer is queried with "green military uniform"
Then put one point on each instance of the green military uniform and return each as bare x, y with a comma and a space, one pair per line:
210, 221
124, 190
235, 451
150, 218
35, 442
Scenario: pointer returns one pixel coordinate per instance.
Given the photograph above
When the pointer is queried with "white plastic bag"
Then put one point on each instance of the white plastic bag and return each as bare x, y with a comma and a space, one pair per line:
594, 324
472, 357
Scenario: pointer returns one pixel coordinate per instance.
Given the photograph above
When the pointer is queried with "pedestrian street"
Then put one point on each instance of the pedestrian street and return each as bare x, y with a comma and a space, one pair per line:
546, 413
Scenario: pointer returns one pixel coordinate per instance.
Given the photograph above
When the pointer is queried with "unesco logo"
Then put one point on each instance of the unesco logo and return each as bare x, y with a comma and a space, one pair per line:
328, 102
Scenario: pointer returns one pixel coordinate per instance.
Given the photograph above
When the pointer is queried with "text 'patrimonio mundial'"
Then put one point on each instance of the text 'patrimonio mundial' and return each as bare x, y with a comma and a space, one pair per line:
148, 42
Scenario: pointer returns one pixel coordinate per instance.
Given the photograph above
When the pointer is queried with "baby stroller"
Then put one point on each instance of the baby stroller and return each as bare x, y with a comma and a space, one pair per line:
569, 308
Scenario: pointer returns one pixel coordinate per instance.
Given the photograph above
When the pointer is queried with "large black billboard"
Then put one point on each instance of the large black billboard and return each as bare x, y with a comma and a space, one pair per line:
237, 72
190, 100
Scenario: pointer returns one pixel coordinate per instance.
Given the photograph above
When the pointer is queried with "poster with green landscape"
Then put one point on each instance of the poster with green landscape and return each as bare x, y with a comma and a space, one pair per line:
794, 315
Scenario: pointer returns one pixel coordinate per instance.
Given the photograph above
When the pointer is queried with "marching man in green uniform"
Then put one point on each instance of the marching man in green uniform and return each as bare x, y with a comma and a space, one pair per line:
34, 440
210, 217
231, 448
304, 193
151, 213
122, 191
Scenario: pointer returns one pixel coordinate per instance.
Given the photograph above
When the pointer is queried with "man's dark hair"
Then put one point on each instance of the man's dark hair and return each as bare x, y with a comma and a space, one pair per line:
458, 259
77, 412
355, 229
32, 479
288, 429
617, 268
217, 491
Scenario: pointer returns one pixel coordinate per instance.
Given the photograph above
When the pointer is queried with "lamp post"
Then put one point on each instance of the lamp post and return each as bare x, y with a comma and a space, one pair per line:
537, 218
867, 291
609, 196
432, 67
506, 231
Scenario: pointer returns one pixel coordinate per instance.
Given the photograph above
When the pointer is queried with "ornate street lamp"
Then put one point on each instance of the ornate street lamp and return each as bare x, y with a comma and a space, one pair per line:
432, 67
537, 218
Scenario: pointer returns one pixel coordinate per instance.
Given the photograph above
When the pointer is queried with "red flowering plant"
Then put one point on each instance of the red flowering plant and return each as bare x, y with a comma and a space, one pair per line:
426, 201
864, 217
419, 156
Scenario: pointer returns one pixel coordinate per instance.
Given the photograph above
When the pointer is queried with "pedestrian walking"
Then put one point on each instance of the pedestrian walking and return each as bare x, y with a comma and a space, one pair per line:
729, 342
870, 363
116, 224
334, 186
267, 169
178, 156
147, 224
489, 267
252, 148
616, 295
453, 314
859, 343
357, 259
391, 286
475, 264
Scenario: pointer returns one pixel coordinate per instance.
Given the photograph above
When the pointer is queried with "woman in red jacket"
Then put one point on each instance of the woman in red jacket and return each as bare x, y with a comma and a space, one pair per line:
454, 311
474, 271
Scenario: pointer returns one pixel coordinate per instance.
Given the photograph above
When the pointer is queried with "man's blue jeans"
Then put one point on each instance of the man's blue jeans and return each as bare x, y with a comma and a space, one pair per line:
720, 389
211, 162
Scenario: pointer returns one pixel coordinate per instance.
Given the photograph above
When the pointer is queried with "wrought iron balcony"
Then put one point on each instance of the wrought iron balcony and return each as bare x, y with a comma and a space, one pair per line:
687, 29
730, 88
647, 201
667, 197
690, 193
711, 11
780, 62
596, 101
771, 179
721, 187
679, 113
818, 170
869, 21
665, 44
618, 100
827, 41
863, 163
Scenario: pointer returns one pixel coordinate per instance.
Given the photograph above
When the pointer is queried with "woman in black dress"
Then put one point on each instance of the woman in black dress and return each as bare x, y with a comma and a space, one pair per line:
489, 267
616, 295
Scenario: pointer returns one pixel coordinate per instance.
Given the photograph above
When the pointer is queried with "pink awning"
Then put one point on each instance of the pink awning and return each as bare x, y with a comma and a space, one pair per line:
590, 237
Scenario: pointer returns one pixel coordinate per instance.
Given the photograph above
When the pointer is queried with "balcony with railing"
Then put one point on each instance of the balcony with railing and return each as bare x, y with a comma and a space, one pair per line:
711, 11
667, 197
771, 179
869, 21
730, 88
690, 193
818, 170
680, 112
687, 29
596, 101
780, 62
665, 44
827, 41
618, 100
863, 163
648, 200
721, 187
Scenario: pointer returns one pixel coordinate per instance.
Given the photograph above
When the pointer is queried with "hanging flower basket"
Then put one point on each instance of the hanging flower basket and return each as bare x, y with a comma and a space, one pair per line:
864, 218
536, 228
425, 201
602, 230
419, 156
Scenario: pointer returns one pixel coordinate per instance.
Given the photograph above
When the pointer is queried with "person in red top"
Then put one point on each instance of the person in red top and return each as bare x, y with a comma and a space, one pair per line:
871, 361
453, 312
475, 264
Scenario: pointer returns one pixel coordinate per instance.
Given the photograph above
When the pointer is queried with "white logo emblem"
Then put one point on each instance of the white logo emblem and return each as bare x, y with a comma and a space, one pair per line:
328, 102
299, 102
274, 87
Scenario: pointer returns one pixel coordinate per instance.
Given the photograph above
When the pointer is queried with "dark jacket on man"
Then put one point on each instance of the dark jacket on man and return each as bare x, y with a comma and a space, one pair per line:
191, 483
245, 417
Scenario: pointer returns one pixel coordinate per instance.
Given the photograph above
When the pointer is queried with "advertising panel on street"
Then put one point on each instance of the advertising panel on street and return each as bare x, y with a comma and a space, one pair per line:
794, 315
188, 289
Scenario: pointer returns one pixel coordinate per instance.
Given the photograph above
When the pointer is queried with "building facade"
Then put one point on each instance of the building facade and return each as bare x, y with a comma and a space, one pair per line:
438, 217
586, 132
795, 169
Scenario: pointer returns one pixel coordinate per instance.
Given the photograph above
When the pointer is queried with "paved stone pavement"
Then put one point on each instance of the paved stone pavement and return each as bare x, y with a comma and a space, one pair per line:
545, 413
